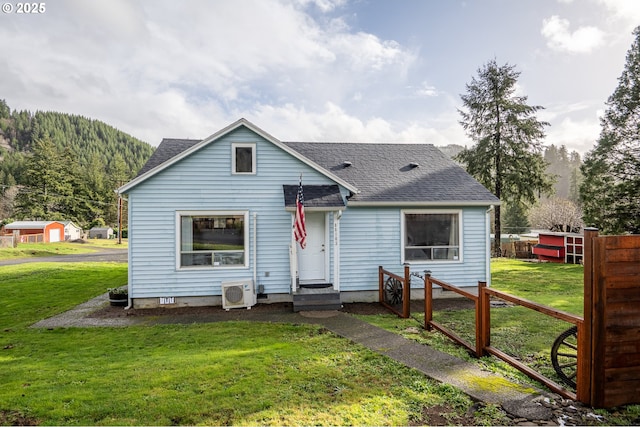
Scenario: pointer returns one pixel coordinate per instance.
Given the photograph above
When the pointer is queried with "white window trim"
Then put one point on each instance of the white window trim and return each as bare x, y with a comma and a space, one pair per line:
458, 212
178, 236
235, 145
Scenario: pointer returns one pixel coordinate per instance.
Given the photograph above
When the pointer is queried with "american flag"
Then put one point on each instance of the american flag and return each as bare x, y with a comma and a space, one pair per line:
299, 228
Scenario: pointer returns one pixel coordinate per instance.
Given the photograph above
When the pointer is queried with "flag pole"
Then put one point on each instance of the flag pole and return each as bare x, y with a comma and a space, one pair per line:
299, 226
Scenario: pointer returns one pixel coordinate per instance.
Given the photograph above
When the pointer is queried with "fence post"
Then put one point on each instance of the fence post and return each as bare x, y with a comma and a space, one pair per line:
482, 320
380, 280
428, 300
585, 375
406, 292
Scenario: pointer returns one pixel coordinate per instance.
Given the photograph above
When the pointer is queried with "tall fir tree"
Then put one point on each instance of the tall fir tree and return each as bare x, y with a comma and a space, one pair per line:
610, 191
47, 188
506, 157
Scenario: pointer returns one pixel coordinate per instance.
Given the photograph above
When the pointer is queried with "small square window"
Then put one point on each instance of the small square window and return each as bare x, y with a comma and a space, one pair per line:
243, 158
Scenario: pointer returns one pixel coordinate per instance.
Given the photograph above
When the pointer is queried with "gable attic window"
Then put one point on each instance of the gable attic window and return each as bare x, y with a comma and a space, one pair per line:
212, 239
431, 236
243, 159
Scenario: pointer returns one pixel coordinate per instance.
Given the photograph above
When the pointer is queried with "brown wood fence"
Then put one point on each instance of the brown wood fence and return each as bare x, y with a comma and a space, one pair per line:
31, 238
395, 291
482, 345
612, 310
608, 349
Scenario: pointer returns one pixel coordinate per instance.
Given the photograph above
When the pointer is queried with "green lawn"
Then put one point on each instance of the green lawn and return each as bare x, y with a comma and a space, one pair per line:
31, 250
214, 374
518, 331
241, 373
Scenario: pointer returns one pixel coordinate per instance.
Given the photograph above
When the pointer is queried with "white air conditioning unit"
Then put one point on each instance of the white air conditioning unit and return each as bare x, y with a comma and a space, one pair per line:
238, 294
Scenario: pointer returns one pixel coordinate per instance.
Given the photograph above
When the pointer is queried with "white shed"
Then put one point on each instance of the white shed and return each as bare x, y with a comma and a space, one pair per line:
71, 231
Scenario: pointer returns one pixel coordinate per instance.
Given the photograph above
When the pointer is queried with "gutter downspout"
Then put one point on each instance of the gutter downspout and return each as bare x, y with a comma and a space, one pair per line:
255, 249
129, 300
488, 245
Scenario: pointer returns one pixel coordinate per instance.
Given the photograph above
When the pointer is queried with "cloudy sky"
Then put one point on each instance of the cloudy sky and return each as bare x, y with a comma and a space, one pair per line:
312, 70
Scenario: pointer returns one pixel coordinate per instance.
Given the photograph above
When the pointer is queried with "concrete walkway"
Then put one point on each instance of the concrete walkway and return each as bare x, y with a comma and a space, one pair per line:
518, 401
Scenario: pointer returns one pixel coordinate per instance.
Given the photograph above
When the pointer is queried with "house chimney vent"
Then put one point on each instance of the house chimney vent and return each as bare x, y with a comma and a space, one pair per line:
414, 164
346, 163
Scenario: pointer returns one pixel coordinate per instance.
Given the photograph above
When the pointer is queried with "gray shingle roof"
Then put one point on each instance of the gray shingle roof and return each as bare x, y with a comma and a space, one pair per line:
168, 148
384, 172
315, 196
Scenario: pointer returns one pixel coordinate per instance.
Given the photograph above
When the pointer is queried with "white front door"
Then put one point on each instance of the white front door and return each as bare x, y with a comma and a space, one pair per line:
311, 260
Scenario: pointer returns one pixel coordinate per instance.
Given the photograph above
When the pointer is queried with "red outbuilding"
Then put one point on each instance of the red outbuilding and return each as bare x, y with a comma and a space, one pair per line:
560, 247
37, 231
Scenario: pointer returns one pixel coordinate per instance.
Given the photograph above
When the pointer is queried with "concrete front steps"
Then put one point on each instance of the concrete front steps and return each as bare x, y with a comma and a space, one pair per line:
316, 297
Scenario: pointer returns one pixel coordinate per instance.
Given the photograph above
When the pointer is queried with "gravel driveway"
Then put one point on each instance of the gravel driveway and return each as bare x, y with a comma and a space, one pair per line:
104, 255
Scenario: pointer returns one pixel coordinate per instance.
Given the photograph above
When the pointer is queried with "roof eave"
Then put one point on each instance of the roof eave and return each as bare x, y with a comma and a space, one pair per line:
468, 203
224, 131
317, 209
233, 126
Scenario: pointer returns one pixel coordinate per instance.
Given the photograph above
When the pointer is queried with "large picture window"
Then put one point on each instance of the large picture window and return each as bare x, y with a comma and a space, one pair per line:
431, 236
213, 239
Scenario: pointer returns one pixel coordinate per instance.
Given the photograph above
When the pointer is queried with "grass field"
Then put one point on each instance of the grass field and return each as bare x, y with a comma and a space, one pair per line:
240, 373
31, 250
518, 331
226, 373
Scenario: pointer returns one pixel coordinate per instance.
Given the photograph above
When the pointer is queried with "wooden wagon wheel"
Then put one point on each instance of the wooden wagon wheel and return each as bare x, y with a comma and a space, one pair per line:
564, 356
393, 291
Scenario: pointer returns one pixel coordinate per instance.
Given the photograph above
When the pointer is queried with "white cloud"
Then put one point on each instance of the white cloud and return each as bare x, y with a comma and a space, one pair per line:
324, 5
164, 68
331, 123
560, 38
578, 135
426, 89
626, 12
555, 111
160, 68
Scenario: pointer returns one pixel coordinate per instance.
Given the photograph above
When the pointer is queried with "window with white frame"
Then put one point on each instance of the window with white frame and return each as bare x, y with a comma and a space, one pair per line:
214, 239
431, 236
243, 158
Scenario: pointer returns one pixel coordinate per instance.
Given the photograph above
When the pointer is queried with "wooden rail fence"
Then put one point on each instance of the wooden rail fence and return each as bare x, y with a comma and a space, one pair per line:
395, 291
482, 345
608, 336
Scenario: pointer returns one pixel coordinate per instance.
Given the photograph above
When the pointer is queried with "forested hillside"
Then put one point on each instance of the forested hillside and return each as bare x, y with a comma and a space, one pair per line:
56, 166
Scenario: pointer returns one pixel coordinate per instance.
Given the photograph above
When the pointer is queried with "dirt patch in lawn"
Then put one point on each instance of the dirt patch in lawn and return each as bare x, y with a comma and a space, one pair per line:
353, 308
14, 418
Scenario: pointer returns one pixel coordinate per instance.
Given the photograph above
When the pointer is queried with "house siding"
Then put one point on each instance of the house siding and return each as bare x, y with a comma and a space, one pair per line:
371, 237
204, 182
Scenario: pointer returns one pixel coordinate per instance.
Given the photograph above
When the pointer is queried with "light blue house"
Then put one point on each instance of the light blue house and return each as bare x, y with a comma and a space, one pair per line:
210, 221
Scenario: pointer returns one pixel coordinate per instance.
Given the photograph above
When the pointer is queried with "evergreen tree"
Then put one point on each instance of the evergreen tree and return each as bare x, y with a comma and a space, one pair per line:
5, 111
47, 189
575, 180
515, 219
506, 157
99, 159
610, 191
